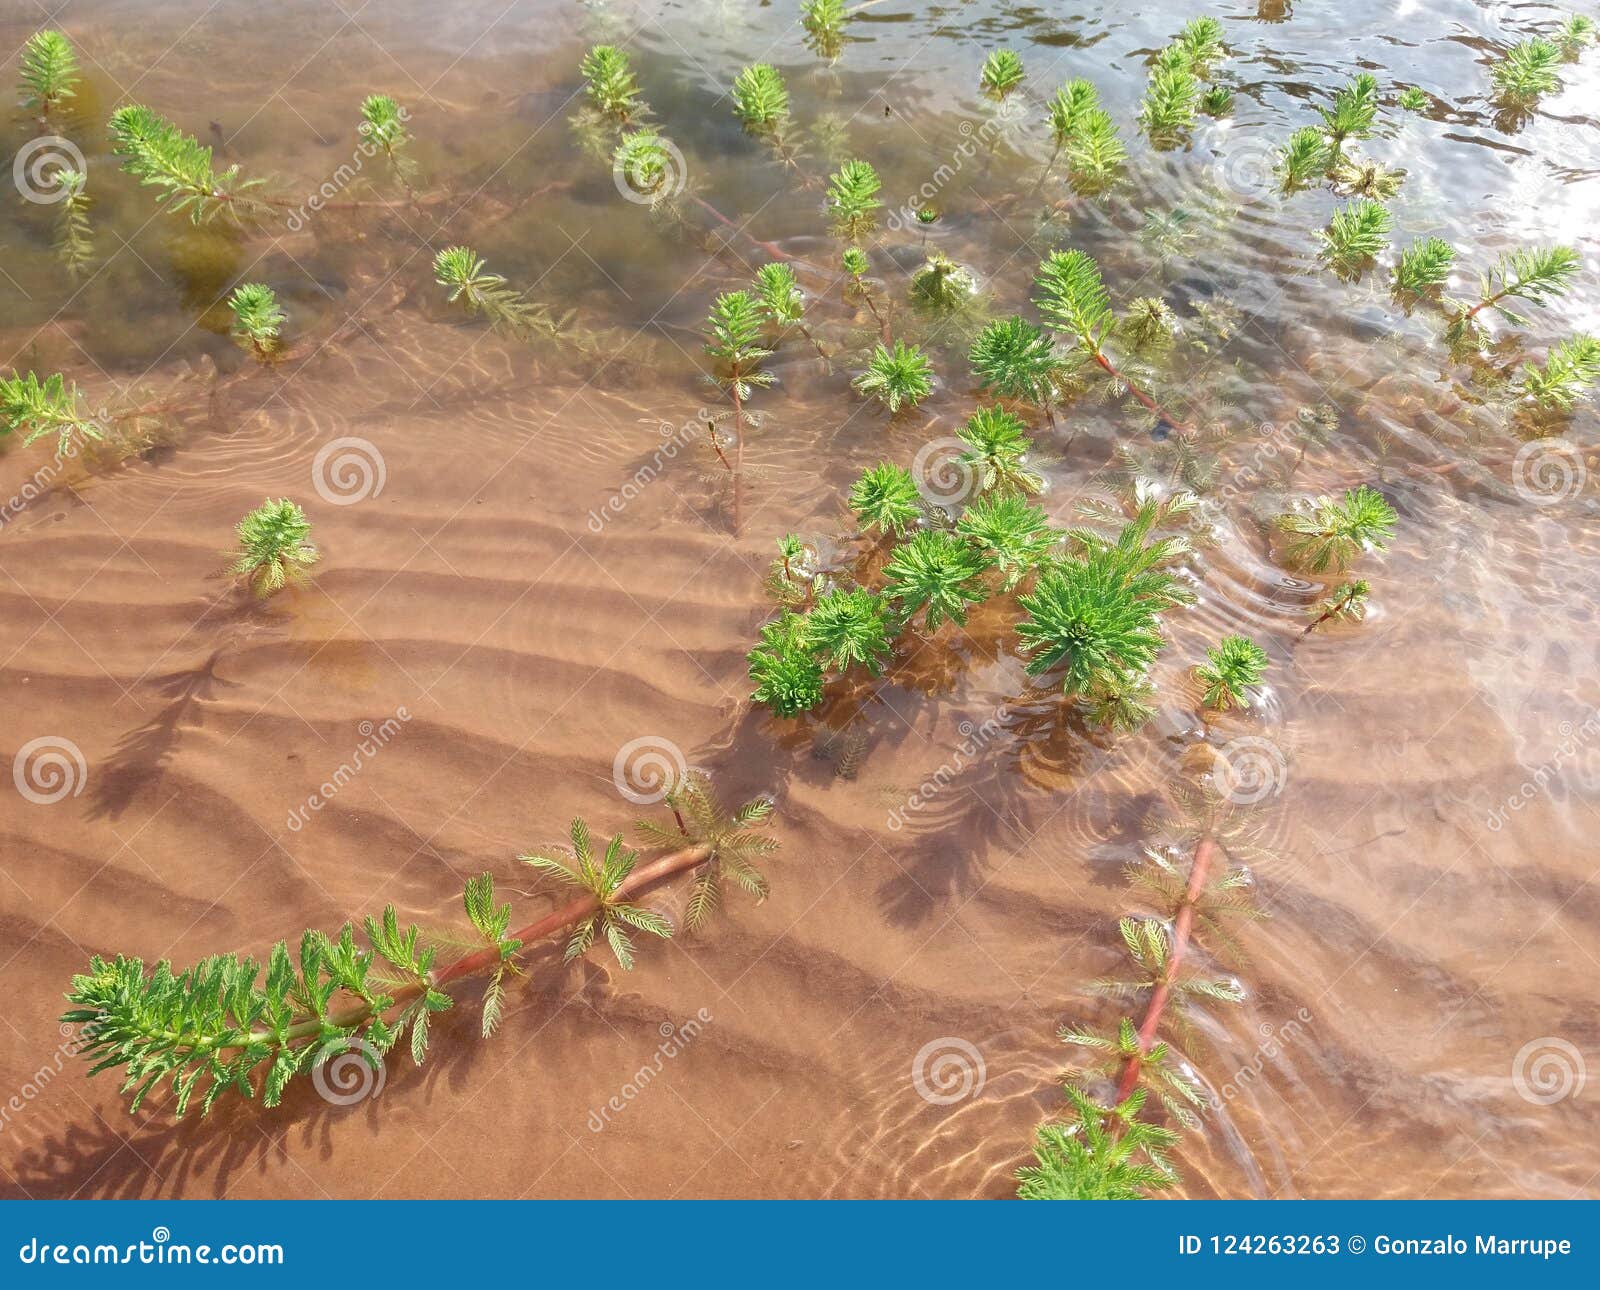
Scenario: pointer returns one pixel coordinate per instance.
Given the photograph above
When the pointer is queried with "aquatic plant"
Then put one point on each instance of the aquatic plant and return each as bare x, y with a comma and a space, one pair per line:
850, 625
898, 378
760, 98
383, 122
1016, 360
1012, 534
1102, 1154
49, 72
1353, 114
35, 408
731, 840
462, 273
162, 156
787, 673
1362, 177
733, 341
997, 452
274, 549
609, 83
1169, 105
1355, 235
1001, 73
74, 241
886, 498
1525, 71
1085, 133
1424, 266
225, 1025
1304, 157
1333, 532
1413, 99
789, 581
942, 285
256, 317
853, 199
1230, 669
1217, 100
1535, 275
1566, 375
645, 159
1200, 44
824, 21
1148, 321
938, 573
1348, 602
1575, 34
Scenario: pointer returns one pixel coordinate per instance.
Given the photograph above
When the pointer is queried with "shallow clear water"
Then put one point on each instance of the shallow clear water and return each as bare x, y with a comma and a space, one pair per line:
532, 611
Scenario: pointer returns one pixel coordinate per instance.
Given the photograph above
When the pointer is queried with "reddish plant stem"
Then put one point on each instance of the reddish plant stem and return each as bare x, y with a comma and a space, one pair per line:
1150, 404
1182, 925
738, 451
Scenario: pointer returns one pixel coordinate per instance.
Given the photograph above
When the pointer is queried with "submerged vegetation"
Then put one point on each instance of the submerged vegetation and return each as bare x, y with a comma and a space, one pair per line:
1083, 588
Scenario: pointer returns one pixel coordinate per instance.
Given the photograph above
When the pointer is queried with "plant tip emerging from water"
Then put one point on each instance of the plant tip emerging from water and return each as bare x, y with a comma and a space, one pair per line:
1413, 99
997, 452
609, 83
1347, 602
1424, 266
1001, 73
1016, 360
1526, 71
853, 199
1566, 375
787, 673
49, 72
1334, 532
601, 879
849, 626
898, 378
162, 156
1101, 1154
1230, 670
886, 498
1355, 235
274, 549
256, 317
34, 408
760, 99
937, 573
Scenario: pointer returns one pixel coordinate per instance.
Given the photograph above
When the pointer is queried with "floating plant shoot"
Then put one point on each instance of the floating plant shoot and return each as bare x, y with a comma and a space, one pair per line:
1333, 532
1001, 73
49, 72
733, 340
274, 547
226, 1025
899, 377
34, 408
1230, 670
257, 319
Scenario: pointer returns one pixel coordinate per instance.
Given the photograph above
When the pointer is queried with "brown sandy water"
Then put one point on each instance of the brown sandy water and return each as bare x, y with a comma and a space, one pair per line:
520, 611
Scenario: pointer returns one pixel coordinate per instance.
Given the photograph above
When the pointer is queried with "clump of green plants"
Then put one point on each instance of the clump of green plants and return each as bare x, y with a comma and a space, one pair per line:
1083, 132
1177, 89
886, 499
1353, 113
463, 274
786, 671
274, 547
1001, 73
383, 122
1100, 1154
760, 98
1306, 156
1230, 670
49, 72
850, 626
1566, 374
231, 1024
257, 320
1011, 533
1333, 532
1424, 266
1575, 34
162, 156
853, 199
824, 21
899, 377
1356, 235
1534, 275
34, 408
1526, 71
609, 84
1413, 99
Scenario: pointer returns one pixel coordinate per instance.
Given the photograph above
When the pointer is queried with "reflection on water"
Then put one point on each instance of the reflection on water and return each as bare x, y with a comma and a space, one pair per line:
1423, 931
